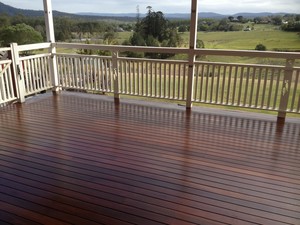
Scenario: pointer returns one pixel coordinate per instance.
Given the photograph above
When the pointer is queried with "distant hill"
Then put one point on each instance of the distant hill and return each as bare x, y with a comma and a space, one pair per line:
211, 15
168, 15
9, 10
261, 14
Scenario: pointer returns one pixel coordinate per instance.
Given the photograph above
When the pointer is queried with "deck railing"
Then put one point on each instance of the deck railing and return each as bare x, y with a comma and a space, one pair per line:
164, 79
90, 73
7, 79
35, 68
36, 73
246, 85
256, 85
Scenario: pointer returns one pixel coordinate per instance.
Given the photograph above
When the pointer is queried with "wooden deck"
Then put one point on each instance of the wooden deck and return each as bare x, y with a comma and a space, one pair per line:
81, 159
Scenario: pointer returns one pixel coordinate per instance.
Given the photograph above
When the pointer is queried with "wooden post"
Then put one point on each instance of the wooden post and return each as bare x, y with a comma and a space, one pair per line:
192, 57
14, 76
51, 38
286, 87
18, 73
115, 56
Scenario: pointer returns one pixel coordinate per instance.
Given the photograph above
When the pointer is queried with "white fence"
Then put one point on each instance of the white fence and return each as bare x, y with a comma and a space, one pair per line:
90, 73
7, 80
164, 79
256, 86
21, 76
249, 86
7, 83
36, 74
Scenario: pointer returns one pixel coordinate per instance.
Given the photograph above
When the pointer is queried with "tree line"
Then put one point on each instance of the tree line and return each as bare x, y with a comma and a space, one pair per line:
32, 29
154, 29
289, 22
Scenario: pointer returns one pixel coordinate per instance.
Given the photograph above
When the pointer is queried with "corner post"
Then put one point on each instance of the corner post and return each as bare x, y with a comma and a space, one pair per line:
115, 56
51, 38
192, 56
286, 87
18, 72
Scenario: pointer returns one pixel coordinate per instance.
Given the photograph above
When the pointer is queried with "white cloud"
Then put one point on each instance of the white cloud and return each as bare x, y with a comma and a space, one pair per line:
170, 6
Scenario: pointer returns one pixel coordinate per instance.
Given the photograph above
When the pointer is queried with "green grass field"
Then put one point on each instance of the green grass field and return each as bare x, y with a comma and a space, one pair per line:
247, 40
270, 36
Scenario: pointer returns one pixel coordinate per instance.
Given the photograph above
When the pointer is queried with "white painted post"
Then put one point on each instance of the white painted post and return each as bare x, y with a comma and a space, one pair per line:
115, 56
286, 87
192, 57
18, 72
51, 38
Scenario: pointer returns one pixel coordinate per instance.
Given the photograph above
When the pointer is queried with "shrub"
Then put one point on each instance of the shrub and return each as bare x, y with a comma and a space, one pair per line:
21, 34
260, 47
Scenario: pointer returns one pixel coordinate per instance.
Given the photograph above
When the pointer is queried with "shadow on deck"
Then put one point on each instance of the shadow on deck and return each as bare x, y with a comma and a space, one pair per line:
81, 159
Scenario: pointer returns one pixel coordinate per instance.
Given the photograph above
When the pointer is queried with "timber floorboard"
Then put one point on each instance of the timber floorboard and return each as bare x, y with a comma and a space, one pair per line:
82, 159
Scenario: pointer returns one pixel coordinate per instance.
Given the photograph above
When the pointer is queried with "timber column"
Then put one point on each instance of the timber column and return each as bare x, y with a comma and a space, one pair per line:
192, 56
51, 38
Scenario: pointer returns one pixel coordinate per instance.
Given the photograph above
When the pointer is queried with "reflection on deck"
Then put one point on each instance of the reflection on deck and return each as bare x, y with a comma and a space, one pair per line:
81, 159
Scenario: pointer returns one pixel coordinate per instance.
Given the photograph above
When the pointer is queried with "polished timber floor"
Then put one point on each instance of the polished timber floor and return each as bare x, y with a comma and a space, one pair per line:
81, 159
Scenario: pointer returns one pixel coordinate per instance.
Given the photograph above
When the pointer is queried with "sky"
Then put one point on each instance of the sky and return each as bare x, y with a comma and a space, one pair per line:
226, 7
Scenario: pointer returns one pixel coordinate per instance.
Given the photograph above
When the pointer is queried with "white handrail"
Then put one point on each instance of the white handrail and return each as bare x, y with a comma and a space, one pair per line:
123, 48
248, 53
5, 49
239, 53
240, 64
35, 56
5, 61
31, 47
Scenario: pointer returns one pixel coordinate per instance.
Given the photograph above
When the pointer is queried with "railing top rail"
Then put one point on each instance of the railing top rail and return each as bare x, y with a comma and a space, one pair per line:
249, 53
5, 49
240, 64
153, 60
82, 55
35, 56
120, 58
34, 46
123, 48
239, 53
5, 61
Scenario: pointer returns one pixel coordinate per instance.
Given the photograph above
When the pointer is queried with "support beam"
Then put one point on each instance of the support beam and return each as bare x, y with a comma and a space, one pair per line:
51, 38
192, 56
115, 56
18, 73
286, 88
49, 21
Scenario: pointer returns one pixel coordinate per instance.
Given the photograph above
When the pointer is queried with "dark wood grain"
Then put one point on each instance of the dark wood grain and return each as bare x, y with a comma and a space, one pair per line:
81, 159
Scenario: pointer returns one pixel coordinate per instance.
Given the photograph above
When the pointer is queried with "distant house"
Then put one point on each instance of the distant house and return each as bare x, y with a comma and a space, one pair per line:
265, 22
120, 29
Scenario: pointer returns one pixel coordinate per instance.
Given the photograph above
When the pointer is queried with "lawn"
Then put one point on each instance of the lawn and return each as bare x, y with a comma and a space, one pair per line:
270, 36
247, 40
